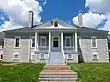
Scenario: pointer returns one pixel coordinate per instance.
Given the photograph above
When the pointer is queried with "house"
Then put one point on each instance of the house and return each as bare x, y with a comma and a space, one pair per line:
56, 41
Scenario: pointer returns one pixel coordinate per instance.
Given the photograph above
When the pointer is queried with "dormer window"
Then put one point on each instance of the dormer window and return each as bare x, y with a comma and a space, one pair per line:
55, 24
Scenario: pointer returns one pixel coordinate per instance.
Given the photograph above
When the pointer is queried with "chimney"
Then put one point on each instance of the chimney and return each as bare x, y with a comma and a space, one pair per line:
30, 23
80, 20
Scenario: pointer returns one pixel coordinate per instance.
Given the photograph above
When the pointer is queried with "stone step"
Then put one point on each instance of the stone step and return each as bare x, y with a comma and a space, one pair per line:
57, 76
59, 73
58, 79
56, 68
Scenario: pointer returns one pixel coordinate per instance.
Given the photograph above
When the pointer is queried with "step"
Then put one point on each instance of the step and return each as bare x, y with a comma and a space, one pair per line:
57, 71
57, 76
57, 68
58, 79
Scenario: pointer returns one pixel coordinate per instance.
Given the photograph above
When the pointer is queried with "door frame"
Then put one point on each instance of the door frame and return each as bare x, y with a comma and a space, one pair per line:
53, 42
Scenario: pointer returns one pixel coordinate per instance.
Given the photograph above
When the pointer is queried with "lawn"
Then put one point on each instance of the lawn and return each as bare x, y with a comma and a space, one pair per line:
92, 72
25, 72
29, 72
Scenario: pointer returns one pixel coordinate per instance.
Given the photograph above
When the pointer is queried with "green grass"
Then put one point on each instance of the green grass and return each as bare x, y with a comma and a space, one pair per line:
25, 72
92, 72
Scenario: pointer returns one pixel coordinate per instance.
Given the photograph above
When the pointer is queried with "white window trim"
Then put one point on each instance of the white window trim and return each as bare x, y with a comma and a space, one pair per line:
31, 41
68, 56
16, 53
15, 41
40, 56
44, 37
95, 53
91, 42
68, 37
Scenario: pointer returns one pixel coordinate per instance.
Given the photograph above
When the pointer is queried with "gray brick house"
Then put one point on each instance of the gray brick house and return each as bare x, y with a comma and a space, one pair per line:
56, 41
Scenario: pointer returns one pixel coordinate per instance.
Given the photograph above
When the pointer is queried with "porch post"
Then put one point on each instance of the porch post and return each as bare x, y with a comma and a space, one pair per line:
76, 45
49, 41
36, 41
62, 41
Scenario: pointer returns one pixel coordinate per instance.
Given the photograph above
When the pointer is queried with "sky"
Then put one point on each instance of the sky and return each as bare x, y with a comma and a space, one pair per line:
14, 13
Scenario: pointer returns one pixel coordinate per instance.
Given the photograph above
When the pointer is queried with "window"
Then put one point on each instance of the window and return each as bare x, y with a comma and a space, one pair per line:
33, 42
42, 56
55, 24
43, 41
1, 57
67, 41
95, 56
17, 42
69, 56
16, 57
93, 42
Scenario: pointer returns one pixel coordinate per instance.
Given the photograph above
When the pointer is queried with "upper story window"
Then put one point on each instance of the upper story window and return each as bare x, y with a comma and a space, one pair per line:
33, 42
17, 42
93, 42
43, 41
67, 41
56, 24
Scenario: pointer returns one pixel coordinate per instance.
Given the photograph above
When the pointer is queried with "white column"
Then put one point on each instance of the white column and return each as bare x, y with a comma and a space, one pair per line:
76, 45
49, 41
62, 41
36, 41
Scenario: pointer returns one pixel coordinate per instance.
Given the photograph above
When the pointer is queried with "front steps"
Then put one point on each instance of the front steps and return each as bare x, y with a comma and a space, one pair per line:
56, 58
57, 73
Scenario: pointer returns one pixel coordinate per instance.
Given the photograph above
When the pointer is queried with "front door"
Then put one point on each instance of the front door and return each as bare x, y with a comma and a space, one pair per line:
56, 43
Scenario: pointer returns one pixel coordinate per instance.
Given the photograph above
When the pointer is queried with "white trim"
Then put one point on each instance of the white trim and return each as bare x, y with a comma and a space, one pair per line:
40, 56
49, 41
62, 41
15, 41
68, 56
76, 43
94, 37
36, 41
68, 37
95, 53
32, 41
59, 42
16, 53
43, 37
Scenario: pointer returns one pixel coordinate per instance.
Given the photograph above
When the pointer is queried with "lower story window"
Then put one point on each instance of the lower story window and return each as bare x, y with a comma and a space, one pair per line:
95, 57
16, 57
1, 57
68, 41
43, 41
69, 56
42, 56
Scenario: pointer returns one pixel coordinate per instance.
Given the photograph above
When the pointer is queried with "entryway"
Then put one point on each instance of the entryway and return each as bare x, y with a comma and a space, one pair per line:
56, 46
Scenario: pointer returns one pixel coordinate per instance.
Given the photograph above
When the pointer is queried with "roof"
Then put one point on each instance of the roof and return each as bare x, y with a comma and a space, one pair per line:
49, 25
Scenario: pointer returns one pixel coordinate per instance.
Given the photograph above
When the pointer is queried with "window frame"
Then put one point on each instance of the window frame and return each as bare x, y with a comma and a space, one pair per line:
33, 37
67, 37
17, 37
16, 53
93, 37
56, 24
40, 57
68, 56
43, 37
94, 59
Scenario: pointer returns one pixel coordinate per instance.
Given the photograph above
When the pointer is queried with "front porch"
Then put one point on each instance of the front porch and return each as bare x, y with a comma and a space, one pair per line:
48, 43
